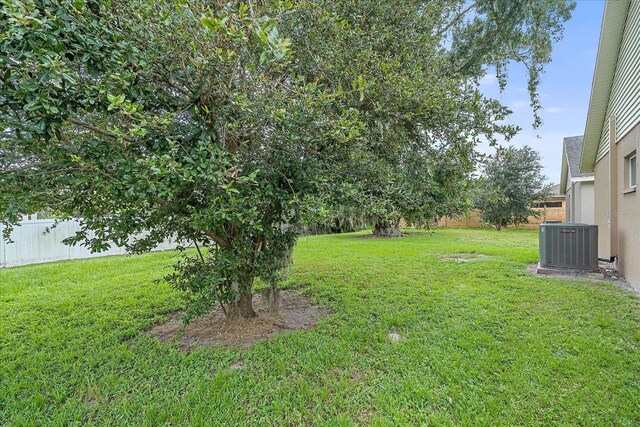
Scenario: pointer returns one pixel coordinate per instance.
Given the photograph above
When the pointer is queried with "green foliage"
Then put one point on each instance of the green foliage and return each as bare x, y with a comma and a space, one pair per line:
482, 343
416, 93
228, 125
163, 119
419, 122
511, 182
497, 32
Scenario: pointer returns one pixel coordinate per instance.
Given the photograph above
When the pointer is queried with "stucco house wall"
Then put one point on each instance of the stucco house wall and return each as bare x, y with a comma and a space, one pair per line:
628, 214
601, 207
612, 133
587, 215
617, 207
580, 202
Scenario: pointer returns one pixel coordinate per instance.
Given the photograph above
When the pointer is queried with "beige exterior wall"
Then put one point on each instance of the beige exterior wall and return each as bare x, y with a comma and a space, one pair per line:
587, 200
628, 213
580, 202
602, 207
616, 84
625, 209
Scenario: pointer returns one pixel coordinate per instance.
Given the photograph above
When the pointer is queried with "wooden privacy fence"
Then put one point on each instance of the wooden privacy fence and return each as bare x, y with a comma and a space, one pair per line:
472, 219
34, 244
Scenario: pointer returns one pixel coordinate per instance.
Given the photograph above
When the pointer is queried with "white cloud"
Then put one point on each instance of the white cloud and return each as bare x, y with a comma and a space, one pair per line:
488, 80
519, 105
554, 110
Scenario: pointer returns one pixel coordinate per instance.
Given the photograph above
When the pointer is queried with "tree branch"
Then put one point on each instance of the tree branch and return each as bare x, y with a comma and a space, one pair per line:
219, 240
456, 19
96, 129
489, 38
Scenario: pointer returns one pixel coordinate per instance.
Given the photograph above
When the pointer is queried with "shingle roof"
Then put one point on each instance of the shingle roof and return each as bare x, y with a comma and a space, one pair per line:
573, 150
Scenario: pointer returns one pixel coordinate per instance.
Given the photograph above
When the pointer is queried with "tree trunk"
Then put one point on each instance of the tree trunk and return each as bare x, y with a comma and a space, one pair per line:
242, 306
274, 299
387, 230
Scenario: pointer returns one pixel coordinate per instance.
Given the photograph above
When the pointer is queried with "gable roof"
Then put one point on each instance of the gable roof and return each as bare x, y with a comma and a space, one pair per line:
573, 150
571, 154
613, 23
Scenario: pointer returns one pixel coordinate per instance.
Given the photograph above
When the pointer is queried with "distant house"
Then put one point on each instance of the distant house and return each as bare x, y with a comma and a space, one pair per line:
612, 137
576, 185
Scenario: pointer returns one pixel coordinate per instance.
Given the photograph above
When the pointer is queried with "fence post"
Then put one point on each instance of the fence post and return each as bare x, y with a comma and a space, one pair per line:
68, 234
3, 250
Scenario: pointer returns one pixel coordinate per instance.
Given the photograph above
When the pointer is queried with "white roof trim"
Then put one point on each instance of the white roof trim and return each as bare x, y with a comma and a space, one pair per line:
613, 23
583, 179
565, 171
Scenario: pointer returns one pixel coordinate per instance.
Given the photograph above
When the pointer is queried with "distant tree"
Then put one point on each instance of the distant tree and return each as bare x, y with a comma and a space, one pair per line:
510, 183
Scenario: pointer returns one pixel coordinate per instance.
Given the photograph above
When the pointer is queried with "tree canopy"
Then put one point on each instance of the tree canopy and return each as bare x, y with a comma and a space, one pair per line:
157, 119
415, 88
495, 33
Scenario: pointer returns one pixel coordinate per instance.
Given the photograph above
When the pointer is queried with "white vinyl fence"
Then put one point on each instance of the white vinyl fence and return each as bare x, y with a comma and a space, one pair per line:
33, 244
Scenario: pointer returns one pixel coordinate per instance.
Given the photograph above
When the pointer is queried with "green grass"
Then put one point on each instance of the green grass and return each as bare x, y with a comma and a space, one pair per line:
483, 343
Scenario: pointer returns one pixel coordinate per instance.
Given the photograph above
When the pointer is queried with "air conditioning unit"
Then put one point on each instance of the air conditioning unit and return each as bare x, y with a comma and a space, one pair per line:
570, 246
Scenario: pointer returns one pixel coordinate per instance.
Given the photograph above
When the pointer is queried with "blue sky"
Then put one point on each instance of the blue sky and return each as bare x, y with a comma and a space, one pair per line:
564, 90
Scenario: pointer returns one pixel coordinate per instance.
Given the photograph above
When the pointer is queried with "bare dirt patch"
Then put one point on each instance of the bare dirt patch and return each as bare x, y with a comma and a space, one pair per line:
465, 257
296, 312
413, 233
375, 236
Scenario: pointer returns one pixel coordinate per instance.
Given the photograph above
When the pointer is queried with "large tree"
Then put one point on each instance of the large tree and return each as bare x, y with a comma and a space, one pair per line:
510, 184
420, 120
410, 70
224, 124
164, 119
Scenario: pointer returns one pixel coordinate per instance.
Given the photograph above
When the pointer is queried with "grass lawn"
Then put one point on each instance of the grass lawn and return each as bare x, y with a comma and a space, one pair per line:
482, 343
